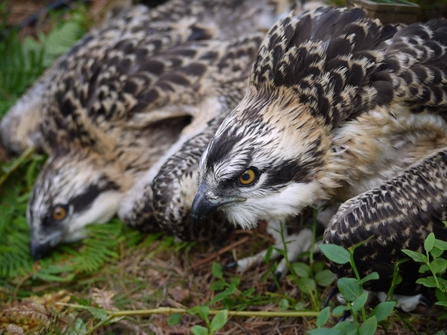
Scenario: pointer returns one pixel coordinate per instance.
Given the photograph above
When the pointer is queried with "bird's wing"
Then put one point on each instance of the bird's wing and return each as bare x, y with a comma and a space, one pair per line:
99, 73
340, 63
135, 71
20, 127
400, 214
118, 72
415, 68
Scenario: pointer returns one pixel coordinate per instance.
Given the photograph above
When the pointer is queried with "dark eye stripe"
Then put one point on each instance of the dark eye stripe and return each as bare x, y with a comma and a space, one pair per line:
292, 171
83, 201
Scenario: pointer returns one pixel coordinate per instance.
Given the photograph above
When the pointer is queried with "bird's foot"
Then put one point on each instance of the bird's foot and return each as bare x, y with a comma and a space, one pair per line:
404, 302
407, 303
295, 245
332, 293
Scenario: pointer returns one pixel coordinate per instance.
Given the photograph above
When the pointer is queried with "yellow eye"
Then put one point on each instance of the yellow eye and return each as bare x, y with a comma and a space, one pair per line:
248, 177
59, 213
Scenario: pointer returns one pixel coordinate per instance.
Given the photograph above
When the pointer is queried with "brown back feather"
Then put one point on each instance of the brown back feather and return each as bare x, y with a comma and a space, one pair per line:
340, 63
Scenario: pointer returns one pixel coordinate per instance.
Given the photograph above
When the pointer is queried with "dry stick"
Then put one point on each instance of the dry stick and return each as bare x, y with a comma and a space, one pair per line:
16, 164
220, 252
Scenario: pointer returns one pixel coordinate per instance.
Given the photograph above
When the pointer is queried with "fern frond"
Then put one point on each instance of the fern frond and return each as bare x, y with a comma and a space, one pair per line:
60, 39
17, 69
21, 63
102, 246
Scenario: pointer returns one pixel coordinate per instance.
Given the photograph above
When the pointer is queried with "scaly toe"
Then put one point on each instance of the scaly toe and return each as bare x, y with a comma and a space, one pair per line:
330, 295
230, 266
273, 287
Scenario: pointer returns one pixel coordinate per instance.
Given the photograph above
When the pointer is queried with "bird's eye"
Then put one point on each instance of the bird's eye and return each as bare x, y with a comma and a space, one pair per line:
248, 177
59, 213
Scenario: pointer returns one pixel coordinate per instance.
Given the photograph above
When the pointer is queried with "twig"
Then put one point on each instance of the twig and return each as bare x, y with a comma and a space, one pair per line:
16, 164
220, 252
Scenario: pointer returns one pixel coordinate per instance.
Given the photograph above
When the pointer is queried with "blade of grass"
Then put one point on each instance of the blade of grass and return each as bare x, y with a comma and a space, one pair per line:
16, 164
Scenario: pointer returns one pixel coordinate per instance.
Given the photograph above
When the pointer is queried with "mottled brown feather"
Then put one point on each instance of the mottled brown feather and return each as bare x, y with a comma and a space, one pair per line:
399, 64
399, 214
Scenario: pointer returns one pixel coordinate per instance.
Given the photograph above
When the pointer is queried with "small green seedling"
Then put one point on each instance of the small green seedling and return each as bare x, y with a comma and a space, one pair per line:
356, 298
433, 262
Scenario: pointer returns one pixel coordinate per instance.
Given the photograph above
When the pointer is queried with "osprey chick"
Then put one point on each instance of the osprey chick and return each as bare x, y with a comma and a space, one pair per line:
337, 105
125, 98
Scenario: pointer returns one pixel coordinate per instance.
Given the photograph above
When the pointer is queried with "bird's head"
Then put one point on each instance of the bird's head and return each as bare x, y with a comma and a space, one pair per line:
266, 161
74, 189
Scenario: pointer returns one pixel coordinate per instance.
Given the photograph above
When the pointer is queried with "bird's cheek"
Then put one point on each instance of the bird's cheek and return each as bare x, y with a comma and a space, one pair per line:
242, 214
76, 235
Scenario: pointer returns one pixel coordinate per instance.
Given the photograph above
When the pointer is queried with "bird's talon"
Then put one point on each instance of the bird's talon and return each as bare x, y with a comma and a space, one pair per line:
346, 314
273, 287
278, 275
229, 266
424, 301
330, 295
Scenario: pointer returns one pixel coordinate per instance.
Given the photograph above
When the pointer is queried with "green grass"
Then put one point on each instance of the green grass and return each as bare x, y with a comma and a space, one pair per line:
121, 281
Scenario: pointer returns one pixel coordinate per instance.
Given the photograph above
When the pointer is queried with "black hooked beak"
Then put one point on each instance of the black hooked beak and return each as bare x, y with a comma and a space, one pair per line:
202, 207
40, 250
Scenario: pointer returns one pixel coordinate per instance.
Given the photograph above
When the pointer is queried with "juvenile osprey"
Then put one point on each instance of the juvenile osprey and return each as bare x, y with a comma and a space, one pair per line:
126, 98
338, 104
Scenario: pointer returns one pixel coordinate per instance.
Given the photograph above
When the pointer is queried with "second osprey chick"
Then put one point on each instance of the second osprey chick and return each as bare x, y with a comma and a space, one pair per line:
125, 98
